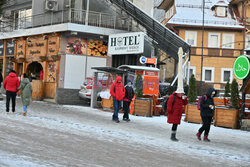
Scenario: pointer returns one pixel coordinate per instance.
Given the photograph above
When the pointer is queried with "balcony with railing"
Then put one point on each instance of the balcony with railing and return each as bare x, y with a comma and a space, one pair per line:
83, 17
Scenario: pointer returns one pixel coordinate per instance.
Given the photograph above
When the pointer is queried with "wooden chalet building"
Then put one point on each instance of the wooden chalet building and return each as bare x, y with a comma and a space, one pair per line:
223, 42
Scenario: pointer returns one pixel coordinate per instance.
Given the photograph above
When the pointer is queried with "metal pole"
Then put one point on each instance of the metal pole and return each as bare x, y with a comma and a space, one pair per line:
202, 47
87, 14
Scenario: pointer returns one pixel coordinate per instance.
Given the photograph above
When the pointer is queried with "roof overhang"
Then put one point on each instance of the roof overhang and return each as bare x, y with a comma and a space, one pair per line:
112, 70
240, 28
134, 68
166, 4
165, 39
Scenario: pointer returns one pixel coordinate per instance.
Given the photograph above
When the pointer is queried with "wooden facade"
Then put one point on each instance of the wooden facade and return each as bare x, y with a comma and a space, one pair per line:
43, 51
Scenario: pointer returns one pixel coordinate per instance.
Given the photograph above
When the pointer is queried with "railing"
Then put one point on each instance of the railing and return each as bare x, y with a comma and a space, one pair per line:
67, 16
9, 3
205, 22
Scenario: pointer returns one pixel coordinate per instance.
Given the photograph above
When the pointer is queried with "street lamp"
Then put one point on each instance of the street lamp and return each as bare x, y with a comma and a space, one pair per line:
202, 42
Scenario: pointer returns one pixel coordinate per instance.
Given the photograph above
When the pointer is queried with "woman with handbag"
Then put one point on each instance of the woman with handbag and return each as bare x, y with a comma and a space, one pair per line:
26, 94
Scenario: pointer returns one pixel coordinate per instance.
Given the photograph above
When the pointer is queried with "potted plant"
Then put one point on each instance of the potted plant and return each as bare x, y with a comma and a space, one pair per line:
142, 106
192, 113
229, 116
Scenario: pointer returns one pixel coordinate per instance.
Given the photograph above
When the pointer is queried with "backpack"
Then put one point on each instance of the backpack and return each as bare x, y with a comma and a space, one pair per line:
199, 102
165, 102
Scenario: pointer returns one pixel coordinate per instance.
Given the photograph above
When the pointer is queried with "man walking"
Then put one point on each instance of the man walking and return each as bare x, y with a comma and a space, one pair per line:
118, 92
10, 84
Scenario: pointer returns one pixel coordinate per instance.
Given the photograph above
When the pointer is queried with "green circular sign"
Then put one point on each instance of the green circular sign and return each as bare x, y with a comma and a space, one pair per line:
241, 67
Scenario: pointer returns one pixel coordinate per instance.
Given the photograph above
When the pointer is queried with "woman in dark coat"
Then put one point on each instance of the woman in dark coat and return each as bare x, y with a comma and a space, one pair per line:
207, 112
175, 106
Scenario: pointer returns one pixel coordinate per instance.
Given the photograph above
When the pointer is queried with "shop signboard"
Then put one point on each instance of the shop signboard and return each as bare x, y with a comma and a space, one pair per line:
1, 48
241, 67
126, 43
144, 60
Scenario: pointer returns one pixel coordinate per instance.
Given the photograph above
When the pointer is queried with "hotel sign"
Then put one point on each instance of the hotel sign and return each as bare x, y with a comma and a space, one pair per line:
127, 43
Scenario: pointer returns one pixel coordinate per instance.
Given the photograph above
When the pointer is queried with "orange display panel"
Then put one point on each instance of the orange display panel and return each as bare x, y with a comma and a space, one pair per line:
151, 85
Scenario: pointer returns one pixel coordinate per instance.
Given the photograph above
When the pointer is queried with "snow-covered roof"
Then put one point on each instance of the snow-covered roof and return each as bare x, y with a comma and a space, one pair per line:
190, 13
221, 3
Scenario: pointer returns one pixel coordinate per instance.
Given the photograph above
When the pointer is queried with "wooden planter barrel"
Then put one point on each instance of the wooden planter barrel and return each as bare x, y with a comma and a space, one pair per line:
107, 103
223, 117
143, 107
226, 117
192, 114
37, 93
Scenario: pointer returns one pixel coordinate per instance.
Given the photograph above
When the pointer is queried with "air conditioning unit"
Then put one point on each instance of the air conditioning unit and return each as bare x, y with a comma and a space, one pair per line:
51, 5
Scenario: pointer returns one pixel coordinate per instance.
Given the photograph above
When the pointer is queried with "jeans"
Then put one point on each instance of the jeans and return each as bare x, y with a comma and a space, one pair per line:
25, 108
12, 96
117, 105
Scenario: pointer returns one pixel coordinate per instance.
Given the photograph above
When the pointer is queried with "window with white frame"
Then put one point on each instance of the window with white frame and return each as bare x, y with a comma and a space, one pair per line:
247, 41
221, 11
214, 40
208, 74
226, 75
23, 18
192, 70
170, 12
191, 37
228, 41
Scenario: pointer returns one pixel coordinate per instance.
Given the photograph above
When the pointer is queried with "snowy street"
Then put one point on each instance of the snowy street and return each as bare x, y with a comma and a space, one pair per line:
56, 135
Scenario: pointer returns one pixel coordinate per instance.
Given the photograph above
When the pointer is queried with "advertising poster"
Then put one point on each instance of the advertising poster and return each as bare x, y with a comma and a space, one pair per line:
76, 45
97, 48
51, 72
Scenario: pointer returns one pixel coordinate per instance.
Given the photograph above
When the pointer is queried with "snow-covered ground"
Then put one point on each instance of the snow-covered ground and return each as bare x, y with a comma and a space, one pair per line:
57, 135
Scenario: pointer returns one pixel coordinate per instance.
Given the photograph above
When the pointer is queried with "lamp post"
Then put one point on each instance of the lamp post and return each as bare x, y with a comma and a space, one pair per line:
202, 42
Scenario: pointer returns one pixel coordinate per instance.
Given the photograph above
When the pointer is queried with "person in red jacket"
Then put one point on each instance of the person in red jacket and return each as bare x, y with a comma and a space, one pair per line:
118, 92
10, 84
175, 106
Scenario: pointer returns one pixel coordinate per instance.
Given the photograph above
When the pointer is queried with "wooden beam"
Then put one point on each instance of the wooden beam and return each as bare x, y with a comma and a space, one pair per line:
4, 59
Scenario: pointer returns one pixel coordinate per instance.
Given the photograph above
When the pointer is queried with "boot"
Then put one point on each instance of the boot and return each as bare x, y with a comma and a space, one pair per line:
206, 138
198, 134
173, 136
24, 114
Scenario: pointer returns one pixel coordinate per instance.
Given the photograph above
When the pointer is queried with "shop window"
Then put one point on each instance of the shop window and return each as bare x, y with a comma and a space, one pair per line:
208, 74
214, 40
226, 75
228, 41
191, 38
